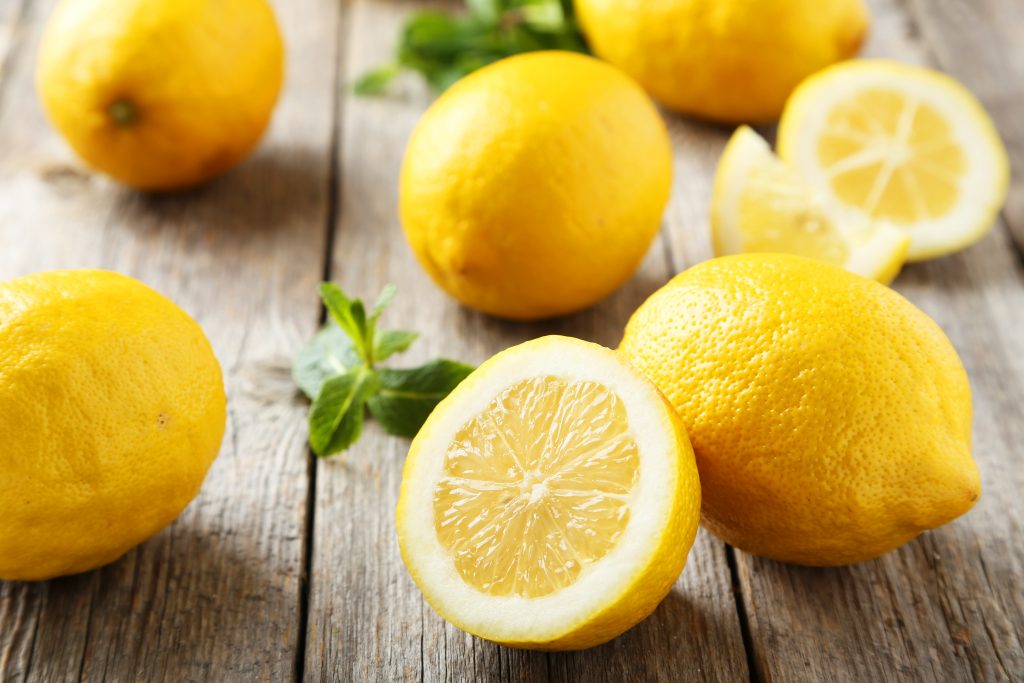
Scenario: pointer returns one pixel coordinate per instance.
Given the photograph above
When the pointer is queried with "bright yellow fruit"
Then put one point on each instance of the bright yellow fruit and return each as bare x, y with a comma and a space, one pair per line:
902, 144
112, 408
831, 418
729, 60
534, 186
550, 501
161, 94
761, 205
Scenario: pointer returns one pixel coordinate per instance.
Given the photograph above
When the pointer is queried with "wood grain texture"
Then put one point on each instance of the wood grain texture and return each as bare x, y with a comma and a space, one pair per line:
215, 596
948, 606
220, 595
11, 14
979, 42
367, 620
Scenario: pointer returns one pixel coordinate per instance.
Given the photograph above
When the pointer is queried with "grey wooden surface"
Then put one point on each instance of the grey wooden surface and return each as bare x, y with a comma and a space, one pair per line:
287, 568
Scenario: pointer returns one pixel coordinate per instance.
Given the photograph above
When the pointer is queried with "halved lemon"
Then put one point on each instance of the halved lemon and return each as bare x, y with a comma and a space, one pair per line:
901, 144
761, 205
551, 500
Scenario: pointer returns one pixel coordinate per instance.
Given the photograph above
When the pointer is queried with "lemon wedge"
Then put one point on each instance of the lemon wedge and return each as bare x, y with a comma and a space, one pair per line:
550, 501
761, 205
901, 144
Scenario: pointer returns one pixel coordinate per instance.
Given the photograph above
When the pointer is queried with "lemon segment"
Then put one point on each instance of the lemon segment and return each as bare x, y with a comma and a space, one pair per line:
525, 504
550, 501
761, 205
902, 144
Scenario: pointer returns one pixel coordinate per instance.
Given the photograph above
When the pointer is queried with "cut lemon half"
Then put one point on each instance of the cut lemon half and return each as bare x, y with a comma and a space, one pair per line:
761, 205
550, 501
901, 144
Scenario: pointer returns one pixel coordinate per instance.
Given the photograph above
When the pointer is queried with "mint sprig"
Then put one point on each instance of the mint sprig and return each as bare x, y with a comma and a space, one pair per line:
338, 371
444, 47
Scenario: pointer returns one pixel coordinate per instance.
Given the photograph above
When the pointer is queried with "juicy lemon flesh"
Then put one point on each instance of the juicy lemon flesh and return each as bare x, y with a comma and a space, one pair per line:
893, 155
537, 487
779, 213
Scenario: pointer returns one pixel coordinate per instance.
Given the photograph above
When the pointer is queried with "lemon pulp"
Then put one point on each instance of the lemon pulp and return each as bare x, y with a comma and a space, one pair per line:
537, 486
760, 204
781, 214
893, 155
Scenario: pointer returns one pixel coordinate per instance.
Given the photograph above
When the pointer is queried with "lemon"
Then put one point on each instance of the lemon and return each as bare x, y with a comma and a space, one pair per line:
161, 94
534, 186
831, 419
111, 410
899, 143
761, 205
729, 60
550, 501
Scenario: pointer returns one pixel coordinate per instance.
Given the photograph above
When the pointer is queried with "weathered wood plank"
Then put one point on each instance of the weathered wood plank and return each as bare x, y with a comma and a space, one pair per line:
217, 595
11, 13
979, 41
367, 620
948, 606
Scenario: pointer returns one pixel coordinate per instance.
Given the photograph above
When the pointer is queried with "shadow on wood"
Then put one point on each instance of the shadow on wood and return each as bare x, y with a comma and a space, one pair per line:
660, 648
601, 323
175, 587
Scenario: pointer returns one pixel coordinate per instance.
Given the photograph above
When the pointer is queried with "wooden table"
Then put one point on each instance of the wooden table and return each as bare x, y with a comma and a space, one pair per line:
287, 567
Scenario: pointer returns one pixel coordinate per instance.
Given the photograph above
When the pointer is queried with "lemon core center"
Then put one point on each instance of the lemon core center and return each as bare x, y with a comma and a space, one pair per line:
892, 155
537, 486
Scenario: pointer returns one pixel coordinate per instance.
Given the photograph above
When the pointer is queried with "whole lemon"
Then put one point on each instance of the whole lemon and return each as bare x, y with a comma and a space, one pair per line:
112, 408
161, 94
534, 186
728, 60
831, 419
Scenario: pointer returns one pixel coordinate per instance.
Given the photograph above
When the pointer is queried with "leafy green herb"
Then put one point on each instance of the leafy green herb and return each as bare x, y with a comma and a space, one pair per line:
336, 418
337, 371
444, 47
406, 397
329, 354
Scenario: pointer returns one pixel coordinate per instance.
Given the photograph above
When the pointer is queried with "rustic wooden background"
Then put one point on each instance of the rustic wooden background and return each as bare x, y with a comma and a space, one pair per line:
287, 568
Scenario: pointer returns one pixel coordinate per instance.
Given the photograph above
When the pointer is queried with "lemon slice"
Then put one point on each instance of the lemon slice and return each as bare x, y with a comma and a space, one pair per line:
761, 205
550, 501
899, 143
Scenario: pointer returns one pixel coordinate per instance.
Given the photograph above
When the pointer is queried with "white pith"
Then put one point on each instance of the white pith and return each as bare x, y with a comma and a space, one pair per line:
872, 245
982, 186
541, 619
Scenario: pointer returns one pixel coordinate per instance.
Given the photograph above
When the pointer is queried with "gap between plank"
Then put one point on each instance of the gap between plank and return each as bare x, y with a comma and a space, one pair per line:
94, 584
331, 220
1018, 248
754, 669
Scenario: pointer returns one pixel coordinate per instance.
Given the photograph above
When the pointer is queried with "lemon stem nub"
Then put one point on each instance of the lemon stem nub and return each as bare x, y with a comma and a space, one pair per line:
123, 112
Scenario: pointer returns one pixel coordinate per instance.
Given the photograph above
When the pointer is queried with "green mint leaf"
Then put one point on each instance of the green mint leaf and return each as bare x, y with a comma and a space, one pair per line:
383, 301
376, 81
390, 342
544, 15
336, 418
336, 371
358, 312
339, 307
444, 47
406, 397
485, 10
330, 353
348, 313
